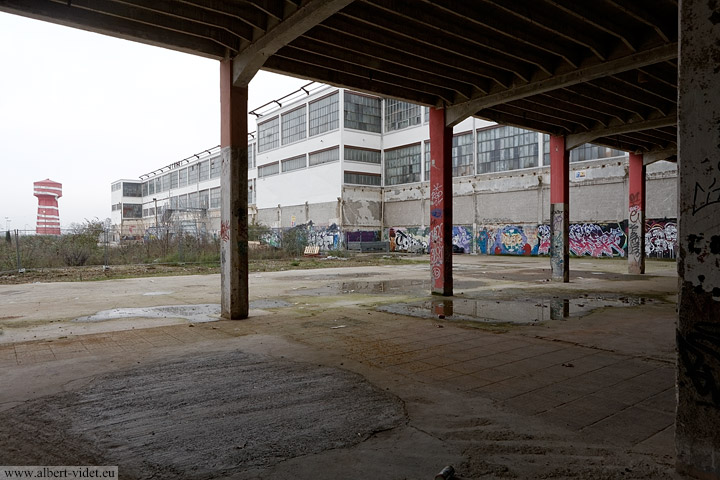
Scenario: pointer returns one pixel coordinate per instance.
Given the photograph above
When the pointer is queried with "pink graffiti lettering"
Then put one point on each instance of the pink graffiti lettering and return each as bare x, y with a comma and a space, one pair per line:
591, 239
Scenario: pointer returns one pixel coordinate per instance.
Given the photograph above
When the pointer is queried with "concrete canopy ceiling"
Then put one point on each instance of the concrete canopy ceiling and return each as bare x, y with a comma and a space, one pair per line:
603, 71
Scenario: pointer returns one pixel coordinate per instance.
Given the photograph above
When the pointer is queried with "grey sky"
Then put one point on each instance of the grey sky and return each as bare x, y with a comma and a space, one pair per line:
85, 109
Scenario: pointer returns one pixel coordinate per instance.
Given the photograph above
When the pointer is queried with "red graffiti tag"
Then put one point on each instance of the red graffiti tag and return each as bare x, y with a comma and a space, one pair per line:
225, 231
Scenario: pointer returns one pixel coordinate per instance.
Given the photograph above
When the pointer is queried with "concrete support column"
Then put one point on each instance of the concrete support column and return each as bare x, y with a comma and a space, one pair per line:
441, 218
559, 209
234, 203
697, 434
636, 215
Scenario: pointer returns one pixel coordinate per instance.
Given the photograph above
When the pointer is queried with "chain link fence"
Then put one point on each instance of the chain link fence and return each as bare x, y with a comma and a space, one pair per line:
91, 244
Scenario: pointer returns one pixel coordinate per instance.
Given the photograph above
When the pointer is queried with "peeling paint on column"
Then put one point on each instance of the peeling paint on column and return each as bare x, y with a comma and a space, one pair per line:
559, 248
697, 436
440, 204
636, 215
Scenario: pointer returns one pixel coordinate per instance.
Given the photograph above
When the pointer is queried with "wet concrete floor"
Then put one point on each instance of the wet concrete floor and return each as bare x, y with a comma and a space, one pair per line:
347, 373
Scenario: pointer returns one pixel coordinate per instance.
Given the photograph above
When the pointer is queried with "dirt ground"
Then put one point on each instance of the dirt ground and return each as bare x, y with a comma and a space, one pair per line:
98, 272
347, 373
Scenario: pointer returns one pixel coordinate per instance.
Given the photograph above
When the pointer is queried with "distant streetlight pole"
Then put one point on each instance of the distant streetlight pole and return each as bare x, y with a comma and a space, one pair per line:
7, 221
156, 219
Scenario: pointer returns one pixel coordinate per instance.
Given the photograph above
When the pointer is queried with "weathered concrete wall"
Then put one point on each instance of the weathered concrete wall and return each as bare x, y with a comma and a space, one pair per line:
291, 215
362, 208
504, 213
598, 193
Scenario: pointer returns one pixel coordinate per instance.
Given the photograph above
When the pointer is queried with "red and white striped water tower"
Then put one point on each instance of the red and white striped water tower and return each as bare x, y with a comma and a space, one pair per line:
48, 216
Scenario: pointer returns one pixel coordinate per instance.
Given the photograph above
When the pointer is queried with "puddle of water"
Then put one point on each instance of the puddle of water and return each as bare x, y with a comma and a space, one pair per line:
523, 311
192, 313
386, 286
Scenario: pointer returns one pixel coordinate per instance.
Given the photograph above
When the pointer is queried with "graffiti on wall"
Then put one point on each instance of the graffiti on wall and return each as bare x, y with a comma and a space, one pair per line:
327, 238
661, 238
511, 240
462, 237
586, 239
272, 238
411, 240
594, 240
542, 246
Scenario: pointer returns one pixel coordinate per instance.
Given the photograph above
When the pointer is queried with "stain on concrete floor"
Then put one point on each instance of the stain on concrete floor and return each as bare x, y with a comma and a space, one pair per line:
177, 420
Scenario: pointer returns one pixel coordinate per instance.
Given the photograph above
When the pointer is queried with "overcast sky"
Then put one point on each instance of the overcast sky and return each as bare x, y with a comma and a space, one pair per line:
84, 110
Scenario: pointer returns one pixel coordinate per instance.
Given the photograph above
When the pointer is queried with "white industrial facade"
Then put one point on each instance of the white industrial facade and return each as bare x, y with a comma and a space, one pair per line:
328, 156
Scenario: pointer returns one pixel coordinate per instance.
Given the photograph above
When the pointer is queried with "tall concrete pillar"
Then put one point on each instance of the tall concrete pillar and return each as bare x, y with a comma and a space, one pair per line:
697, 435
234, 203
559, 209
441, 218
636, 215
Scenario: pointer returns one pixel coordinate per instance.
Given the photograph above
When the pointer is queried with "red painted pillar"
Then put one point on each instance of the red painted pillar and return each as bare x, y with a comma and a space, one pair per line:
559, 209
440, 204
636, 215
234, 299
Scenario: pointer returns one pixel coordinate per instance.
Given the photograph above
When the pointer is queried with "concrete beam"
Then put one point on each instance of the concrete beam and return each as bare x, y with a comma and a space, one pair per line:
669, 154
458, 112
72, 16
247, 63
577, 139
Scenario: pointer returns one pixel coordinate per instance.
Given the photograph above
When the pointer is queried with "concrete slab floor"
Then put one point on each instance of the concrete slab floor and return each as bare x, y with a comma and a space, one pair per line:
325, 381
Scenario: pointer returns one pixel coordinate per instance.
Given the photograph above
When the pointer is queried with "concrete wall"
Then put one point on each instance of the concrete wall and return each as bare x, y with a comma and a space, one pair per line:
288, 216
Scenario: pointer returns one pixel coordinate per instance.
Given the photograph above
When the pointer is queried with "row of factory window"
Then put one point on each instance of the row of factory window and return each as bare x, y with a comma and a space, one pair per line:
496, 149
193, 201
360, 112
182, 177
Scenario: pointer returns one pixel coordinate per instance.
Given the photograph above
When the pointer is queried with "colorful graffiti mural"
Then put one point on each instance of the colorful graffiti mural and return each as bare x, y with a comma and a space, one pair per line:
462, 237
327, 238
542, 246
594, 240
661, 238
411, 240
586, 239
511, 240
